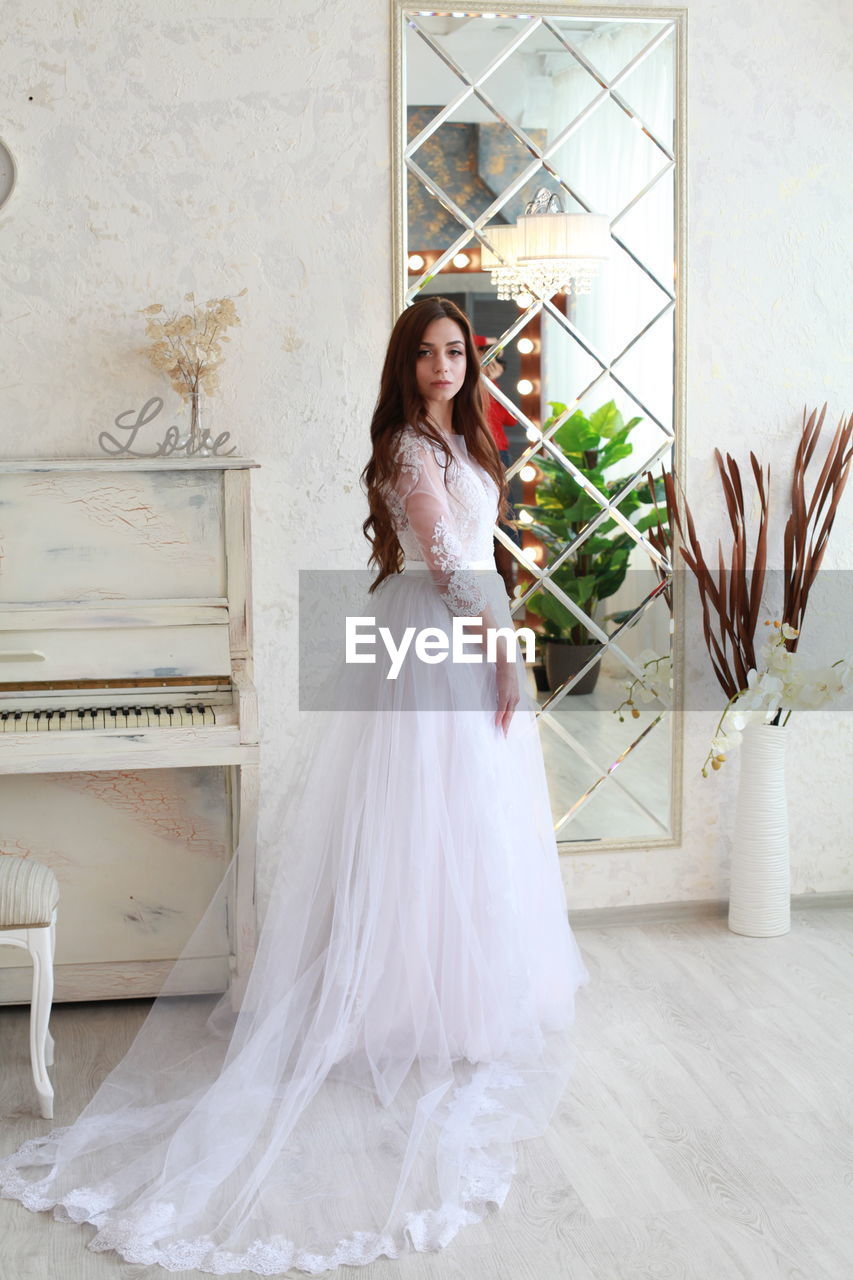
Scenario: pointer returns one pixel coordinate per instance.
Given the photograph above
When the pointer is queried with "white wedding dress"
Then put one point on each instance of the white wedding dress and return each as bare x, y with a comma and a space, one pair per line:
408, 1015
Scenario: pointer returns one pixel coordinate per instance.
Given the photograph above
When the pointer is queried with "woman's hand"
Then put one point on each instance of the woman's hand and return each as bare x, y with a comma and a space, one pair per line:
508, 695
506, 673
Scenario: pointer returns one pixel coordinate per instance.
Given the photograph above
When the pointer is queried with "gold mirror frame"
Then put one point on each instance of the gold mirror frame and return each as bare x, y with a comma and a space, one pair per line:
400, 9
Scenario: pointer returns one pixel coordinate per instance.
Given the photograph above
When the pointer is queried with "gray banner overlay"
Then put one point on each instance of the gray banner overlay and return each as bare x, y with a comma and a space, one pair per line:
413, 657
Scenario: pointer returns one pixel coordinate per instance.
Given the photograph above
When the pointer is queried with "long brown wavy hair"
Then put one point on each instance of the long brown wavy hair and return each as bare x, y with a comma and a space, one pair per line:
400, 403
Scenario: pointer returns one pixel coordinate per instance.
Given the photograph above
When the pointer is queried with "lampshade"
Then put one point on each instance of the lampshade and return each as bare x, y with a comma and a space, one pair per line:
543, 236
504, 236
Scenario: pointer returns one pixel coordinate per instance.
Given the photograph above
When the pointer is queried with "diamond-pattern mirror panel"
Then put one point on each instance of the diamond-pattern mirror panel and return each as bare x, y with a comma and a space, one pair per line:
496, 107
588, 746
648, 88
609, 46
624, 798
470, 41
564, 517
458, 157
643, 369
647, 231
600, 186
522, 87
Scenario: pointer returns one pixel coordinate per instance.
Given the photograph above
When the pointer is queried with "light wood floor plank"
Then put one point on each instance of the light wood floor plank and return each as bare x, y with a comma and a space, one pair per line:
707, 1133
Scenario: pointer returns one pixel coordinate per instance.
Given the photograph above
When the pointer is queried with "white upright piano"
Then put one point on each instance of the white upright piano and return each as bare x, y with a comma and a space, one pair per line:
128, 714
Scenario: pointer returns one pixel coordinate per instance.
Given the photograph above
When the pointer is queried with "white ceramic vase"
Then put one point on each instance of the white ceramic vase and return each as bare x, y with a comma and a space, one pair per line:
760, 892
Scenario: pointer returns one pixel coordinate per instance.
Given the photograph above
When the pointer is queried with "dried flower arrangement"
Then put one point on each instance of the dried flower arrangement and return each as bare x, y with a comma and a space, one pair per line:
781, 684
188, 348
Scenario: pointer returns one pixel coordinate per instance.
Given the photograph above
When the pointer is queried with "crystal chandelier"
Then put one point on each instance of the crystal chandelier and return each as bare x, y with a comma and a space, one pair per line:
546, 251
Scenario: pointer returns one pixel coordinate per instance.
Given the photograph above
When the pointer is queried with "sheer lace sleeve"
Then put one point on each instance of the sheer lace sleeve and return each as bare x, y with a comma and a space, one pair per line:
421, 501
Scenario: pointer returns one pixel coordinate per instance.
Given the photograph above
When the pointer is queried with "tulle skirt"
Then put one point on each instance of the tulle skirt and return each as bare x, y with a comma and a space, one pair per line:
406, 1021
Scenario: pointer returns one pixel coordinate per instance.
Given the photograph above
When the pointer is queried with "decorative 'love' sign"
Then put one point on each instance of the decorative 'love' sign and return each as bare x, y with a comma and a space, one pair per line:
172, 442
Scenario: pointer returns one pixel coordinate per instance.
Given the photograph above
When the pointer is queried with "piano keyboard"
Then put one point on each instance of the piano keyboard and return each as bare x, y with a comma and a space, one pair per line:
63, 719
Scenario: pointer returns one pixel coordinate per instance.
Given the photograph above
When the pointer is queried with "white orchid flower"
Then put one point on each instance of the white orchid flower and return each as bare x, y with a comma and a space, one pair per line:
817, 689
782, 685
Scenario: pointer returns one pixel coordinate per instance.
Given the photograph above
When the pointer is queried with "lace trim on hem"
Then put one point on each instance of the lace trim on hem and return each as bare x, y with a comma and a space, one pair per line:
485, 1180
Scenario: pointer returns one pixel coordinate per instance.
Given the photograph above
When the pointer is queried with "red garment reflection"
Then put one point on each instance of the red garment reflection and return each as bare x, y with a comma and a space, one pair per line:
499, 418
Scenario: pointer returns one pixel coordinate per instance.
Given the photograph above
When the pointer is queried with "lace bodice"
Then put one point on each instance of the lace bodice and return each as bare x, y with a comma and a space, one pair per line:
446, 526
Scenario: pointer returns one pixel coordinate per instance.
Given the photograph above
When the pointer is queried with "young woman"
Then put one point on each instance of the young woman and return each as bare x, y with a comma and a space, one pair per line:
408, 1015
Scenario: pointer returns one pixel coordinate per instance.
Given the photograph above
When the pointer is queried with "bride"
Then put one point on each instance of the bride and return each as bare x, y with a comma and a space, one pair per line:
408, 1014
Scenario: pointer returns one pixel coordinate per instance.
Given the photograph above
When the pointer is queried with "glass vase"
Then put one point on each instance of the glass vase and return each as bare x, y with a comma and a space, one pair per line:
196, 437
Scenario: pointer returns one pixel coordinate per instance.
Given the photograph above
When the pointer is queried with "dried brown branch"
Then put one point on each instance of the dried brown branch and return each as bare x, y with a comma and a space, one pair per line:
802, 561
729, 617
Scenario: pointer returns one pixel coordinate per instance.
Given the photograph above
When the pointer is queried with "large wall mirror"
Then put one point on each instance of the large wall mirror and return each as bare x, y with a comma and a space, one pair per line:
539, 183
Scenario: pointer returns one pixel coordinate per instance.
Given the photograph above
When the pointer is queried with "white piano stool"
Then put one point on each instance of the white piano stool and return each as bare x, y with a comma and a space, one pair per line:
29, 893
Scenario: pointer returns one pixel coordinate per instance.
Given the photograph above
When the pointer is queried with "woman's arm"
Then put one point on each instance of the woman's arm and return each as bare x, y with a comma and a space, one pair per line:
423, 500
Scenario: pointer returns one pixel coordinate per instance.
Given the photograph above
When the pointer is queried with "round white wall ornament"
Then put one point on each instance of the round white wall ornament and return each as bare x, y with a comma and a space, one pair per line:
8, 173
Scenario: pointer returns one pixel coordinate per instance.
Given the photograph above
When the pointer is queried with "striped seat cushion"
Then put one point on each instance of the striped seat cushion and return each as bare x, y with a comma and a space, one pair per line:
28, 892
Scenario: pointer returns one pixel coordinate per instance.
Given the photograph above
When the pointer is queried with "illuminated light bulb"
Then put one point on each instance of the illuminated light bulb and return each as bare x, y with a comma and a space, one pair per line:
461, 260
524, 300
524, 517
524, 386
533, 434
525, 346
528, 472
533, 553
416, 262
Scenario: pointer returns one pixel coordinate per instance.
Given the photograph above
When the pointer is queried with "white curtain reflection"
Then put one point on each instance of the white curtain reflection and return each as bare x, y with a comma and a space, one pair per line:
607, 161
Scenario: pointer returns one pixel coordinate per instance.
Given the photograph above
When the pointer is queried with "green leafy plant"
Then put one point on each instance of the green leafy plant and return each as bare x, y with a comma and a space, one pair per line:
563, 510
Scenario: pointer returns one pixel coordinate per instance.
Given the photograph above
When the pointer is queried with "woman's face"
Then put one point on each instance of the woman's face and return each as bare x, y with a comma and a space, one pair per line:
440, 362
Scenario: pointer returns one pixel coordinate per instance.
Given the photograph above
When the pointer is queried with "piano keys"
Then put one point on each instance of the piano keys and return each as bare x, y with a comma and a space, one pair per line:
24, 719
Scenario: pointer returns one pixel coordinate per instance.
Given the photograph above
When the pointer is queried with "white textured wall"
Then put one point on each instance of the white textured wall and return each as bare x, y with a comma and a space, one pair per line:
211, 146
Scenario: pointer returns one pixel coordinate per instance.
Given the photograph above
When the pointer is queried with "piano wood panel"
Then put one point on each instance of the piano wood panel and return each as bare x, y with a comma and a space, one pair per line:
113, 652
237, 518
115, 534
113, 613
137, 855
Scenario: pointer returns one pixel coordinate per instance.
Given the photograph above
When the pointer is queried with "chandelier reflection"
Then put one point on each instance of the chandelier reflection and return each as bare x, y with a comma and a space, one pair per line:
546, 251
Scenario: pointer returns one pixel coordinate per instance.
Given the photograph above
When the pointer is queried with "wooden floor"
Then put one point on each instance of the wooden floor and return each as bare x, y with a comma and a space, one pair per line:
707, 1133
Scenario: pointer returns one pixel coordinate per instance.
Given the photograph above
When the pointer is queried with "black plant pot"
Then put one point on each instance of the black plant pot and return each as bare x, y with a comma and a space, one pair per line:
563, 659
541, 677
